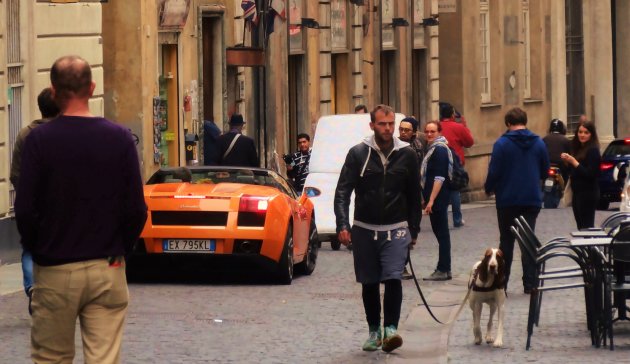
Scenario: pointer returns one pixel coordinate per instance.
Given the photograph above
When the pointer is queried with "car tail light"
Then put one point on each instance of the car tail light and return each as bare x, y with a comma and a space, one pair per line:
604, 166
626, 141
552, 172
253, 204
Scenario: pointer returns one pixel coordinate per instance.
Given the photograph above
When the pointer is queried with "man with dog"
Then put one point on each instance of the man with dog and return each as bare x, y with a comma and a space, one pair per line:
383, 172
518, 164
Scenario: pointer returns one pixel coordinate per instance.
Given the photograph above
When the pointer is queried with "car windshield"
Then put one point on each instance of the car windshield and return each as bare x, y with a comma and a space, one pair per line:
216, 175
618, 148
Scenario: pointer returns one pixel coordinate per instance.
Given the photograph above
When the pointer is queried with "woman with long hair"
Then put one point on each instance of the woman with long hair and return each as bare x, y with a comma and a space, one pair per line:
435, 174
583, 164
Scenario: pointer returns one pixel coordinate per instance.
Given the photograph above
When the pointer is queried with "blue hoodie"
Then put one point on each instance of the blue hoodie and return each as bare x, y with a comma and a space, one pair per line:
518, 164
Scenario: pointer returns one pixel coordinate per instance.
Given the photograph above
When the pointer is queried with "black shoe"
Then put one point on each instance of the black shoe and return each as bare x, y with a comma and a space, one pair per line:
30, 301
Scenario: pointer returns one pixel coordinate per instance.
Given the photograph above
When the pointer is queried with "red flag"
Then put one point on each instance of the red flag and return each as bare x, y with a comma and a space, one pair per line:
250, 13
278, 6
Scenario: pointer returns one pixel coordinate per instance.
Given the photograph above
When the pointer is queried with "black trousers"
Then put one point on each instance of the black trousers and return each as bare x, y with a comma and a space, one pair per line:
506, 216
584, 206
392, 301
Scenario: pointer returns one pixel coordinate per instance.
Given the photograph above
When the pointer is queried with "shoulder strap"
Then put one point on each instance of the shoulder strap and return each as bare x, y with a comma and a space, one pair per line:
231, 146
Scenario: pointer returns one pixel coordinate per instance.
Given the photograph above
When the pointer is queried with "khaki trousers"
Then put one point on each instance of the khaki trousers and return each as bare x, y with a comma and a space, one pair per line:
93, 291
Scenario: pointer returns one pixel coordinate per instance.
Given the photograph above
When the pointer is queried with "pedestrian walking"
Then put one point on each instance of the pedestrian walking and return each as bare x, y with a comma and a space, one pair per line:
436, 172
297, 163
459, 137
48, 110
383, 173
518, 164
79, 210
360, 109
584, 162
408, 133
557, 143
236, 149
211, 134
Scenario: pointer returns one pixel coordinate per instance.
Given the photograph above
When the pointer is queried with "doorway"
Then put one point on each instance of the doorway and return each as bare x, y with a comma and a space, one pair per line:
340, 74
388, 78
297, 85
169, 99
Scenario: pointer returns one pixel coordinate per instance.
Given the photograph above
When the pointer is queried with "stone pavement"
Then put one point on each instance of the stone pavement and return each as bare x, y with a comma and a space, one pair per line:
562, 335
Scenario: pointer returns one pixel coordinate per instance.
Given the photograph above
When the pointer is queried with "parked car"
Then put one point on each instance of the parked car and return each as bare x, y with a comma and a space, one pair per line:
221, 211
614, 170
334, 136
624, 206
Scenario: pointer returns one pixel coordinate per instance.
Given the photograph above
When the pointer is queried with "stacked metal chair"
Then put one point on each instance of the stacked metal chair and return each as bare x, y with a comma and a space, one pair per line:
559, 249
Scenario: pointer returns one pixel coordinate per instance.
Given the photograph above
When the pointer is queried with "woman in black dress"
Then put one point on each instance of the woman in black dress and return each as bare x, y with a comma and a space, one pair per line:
584, 163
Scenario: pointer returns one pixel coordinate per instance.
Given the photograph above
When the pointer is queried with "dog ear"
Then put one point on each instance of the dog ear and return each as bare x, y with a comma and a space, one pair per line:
500, 253
482, 268
488, 253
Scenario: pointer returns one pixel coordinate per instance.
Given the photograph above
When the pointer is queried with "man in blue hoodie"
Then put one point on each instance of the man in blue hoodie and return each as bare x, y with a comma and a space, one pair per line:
518, 164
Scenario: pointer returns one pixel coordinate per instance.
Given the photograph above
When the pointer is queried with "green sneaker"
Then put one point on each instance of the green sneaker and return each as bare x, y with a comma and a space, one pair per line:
374, 341
391, 340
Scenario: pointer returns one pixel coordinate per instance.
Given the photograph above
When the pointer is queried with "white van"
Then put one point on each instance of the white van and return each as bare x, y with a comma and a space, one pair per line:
334, 136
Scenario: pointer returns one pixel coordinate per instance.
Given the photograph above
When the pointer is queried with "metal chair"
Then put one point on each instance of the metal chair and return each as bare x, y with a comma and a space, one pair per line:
617, 282
541, 258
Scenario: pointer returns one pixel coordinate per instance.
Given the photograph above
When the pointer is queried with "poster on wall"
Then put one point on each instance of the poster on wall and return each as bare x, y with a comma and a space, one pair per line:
387, 31
173, 13
339, 24
157, 128
418, 28
296, 35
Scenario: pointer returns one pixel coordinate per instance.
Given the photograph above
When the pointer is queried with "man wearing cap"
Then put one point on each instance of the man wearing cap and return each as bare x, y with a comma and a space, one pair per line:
236, 149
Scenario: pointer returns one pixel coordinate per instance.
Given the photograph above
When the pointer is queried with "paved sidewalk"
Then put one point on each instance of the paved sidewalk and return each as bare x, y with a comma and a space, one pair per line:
10, 278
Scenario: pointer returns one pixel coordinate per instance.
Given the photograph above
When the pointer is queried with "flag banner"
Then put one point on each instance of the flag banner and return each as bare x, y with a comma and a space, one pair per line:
278, 6
250, 13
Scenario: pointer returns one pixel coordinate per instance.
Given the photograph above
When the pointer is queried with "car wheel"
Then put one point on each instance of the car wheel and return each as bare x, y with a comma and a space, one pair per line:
603, 205
335, 244
285, 266
307, 266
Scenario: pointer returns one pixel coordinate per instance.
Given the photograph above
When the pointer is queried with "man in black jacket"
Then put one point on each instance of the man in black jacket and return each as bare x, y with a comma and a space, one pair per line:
236, 149
383, 172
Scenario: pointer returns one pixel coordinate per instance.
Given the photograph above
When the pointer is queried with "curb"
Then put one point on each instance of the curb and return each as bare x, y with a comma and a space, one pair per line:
426, 341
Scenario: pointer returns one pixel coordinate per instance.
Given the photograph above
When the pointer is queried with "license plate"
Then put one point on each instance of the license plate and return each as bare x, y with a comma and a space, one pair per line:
188, 245
549, 183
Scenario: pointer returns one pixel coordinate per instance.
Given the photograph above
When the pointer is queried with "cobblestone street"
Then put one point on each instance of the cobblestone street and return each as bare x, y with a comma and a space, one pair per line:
319, 319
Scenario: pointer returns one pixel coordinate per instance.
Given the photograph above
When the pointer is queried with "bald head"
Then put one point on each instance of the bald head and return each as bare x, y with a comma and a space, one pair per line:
71, 77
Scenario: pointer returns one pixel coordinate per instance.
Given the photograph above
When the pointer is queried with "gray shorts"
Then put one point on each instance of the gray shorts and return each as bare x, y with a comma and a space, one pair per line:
381, 259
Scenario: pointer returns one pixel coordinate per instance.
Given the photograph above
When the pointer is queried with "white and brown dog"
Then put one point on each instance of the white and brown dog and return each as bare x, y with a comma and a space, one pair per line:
488, 286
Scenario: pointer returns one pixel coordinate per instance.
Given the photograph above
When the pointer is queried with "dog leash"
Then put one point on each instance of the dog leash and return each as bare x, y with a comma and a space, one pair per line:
426, 304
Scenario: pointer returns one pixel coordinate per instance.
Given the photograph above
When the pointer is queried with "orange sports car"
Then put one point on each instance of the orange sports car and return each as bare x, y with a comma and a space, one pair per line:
242, 212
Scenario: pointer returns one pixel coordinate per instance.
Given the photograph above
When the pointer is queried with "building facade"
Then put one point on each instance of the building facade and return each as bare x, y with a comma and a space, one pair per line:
186, 61
33, 34
554, 59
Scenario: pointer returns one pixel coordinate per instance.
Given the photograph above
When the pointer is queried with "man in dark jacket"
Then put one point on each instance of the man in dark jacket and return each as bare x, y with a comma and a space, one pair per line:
384, 175
49, 110
236, 149
211, 133
518, 164
557, 143
79, 209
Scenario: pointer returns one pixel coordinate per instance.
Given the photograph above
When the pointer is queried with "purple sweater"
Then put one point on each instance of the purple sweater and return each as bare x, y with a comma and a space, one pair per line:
80, 194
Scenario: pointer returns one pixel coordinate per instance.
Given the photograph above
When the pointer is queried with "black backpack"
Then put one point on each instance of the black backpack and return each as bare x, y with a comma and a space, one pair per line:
459, 179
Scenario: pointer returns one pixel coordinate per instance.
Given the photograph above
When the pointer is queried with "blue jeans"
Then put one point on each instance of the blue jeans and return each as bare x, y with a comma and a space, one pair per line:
27, 270
456, 206
439, 225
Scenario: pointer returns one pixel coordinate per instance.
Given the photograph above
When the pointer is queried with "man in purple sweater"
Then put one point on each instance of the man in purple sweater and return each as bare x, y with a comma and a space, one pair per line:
79, 209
